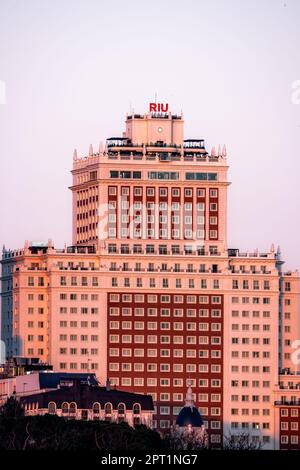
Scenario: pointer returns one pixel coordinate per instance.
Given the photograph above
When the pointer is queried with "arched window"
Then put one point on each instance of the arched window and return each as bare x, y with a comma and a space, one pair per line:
136, 409
96, 408
121, 412
52, 408
65, 408
108, 408
73, 407
121, 409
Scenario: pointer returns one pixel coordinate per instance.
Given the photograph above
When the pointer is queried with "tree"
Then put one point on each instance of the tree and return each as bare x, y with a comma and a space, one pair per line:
241, 441
187, 439
11, 409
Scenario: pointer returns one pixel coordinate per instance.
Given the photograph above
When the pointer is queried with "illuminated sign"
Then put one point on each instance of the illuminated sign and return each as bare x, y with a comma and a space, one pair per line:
158, 107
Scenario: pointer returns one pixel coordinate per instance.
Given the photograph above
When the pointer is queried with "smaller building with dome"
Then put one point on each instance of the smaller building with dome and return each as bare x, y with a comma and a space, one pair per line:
189, 430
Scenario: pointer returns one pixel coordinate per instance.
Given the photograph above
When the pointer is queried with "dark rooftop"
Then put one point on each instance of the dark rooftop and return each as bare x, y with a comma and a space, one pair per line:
85, 396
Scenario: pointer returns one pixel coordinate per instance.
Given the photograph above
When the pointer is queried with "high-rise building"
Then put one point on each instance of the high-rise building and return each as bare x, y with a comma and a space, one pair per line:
151, 296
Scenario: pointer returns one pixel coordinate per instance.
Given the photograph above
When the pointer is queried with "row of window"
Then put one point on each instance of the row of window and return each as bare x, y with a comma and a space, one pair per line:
163, 233
254, 354
253, 398
83, 338
164, 298
163, 339
83, 310
175, 353
39, 324
125, 174
162, 249
245, 284
159, 175
175, 192
175, 410
73, 296
83, 366
246, 314
108, 409
163, 367
86, 215
247, 327
165, 312
253, 369
293, 425
264, 341
84, 281
246, 425
140, 325
165, 267
163, 382
253, 412
293, 412
294, 440
81, 351
163, 208
166, 282
38, 351
82, 324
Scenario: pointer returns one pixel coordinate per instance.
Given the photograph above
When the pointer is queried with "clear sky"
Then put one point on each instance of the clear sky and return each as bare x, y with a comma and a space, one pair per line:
73, 68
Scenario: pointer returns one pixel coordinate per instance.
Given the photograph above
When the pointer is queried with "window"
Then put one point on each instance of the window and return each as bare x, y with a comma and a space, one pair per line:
96, 408
65, 408
52, 408
108, 408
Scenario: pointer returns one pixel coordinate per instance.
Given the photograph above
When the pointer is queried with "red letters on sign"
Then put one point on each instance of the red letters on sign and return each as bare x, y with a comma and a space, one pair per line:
159, 107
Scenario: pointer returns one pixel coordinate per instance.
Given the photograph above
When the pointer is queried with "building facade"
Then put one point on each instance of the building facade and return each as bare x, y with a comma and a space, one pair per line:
150, 295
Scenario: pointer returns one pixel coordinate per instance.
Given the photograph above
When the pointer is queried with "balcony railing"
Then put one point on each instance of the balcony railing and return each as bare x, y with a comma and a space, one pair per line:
288, 402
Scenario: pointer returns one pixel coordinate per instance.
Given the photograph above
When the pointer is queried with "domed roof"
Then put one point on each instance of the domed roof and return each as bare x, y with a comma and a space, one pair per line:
189, 415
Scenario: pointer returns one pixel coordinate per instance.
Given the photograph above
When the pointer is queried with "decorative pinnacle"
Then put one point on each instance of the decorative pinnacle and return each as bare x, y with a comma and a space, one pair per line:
224, 151
91, 153
213, 152
75, 155
189, 396
278, 251
219, 151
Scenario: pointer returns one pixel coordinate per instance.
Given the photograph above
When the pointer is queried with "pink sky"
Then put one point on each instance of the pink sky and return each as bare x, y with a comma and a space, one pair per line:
72, 70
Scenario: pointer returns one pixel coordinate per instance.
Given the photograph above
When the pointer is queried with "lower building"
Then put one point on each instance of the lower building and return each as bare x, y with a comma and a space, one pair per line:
82, 399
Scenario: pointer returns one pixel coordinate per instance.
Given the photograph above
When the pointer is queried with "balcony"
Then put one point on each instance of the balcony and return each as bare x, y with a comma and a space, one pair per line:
288, 402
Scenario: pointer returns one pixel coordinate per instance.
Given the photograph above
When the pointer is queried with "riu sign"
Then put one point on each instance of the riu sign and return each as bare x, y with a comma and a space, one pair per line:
158, 107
